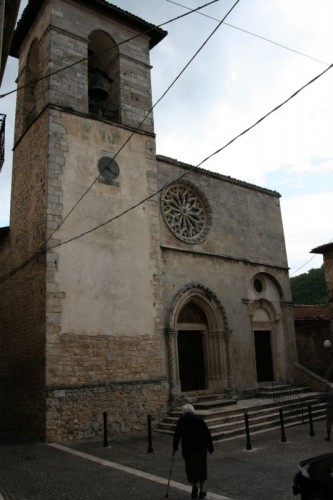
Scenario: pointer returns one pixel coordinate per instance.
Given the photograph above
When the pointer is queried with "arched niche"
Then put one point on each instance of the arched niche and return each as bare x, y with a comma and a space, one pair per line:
31, 83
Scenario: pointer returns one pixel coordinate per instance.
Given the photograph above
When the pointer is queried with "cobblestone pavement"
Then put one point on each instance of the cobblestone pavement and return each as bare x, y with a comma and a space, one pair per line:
124, 469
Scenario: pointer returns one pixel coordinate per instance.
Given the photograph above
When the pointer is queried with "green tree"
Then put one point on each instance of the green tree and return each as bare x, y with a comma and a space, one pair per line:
309, 288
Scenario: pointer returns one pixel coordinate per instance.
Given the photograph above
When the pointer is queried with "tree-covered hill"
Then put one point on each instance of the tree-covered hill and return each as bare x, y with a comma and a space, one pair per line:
309, 288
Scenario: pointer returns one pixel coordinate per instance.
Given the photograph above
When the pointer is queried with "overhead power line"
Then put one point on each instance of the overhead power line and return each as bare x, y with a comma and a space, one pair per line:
44, 248
41, 251
253, 34
144, 118
307, 262
205, 159
303, 265
79, 61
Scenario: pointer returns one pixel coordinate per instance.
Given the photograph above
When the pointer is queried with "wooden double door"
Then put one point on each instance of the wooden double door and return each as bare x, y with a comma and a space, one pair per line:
191, 360
264, 358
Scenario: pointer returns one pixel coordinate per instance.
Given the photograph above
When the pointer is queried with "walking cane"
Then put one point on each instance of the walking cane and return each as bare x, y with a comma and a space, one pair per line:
167, 491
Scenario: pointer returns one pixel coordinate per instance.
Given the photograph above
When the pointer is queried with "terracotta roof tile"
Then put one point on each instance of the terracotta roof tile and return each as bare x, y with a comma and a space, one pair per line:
311, 312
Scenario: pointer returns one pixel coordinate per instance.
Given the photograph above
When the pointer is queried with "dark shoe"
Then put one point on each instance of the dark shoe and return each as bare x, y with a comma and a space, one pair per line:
194, 491
328, 439
202, 494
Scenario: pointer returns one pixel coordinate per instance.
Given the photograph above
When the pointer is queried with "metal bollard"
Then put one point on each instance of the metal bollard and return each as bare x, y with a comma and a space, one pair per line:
105, 421
247, 430
283, 435
312, 433
150, 442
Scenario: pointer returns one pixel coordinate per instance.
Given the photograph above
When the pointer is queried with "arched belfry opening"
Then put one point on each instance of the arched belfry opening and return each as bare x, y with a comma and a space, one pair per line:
198, 343
31, 83
103, 76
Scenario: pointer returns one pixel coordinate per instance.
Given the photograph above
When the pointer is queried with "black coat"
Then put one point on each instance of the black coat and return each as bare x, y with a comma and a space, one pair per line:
194, 434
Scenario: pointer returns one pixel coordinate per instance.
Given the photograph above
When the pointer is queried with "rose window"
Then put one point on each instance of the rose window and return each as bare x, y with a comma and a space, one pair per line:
186, 212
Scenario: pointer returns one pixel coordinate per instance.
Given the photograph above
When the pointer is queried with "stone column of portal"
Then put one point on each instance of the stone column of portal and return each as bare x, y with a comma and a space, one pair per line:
227, 336
218, 360
207, 349
172, 337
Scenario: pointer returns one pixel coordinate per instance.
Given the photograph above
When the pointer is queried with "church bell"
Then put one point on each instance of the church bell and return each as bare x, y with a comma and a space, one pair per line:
96, 88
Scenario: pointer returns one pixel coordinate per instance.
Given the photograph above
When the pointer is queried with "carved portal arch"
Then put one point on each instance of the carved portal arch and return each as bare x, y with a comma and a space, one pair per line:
196, 309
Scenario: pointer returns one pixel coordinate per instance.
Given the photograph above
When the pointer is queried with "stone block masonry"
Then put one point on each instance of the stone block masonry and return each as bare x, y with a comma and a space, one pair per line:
86, 359
76, 412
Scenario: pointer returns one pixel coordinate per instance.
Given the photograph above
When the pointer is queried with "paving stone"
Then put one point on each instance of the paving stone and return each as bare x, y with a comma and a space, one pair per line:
30, 470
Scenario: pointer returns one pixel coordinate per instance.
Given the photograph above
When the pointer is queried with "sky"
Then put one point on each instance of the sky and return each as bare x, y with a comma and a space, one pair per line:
263, 53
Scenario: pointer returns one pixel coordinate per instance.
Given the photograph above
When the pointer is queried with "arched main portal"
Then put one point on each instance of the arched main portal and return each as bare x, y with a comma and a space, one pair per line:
198, 342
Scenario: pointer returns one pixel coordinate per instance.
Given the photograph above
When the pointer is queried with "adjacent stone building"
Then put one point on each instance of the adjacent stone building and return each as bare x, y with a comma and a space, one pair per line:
327, 253
312, 329
128, 280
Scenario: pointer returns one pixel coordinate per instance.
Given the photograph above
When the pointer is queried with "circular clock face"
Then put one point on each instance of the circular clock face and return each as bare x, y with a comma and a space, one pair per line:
108, 169
186, 212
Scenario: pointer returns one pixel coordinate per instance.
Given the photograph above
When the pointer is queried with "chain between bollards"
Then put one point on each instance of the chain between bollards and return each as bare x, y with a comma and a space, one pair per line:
247, 430
150, 441
105, 421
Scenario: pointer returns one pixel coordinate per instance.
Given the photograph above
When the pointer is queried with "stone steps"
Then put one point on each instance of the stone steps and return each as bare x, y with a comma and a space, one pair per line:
225, 417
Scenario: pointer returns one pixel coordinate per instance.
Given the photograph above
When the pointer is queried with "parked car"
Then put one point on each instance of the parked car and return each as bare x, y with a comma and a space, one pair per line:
314, 481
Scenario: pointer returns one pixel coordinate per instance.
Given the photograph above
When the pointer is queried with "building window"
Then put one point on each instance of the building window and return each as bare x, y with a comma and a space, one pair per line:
258, 285
186, 212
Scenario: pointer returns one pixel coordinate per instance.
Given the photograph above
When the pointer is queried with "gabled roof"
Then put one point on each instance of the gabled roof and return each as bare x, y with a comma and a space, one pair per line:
101, 6
11, 8
215, 175
4, 230
328, 247
311, 312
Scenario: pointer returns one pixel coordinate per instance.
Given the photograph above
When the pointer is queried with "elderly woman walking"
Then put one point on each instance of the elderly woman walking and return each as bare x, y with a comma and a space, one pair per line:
196, 442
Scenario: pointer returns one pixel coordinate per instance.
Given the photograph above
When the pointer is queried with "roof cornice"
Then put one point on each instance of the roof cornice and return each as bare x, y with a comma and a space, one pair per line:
154, 33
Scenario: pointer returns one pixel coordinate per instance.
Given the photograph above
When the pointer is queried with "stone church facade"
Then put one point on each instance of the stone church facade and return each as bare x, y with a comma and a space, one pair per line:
129, 280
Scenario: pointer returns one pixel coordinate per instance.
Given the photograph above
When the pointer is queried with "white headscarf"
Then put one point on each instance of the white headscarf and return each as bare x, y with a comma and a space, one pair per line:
188, 409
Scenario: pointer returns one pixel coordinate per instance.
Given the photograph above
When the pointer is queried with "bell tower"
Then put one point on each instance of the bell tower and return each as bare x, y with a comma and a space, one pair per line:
84, 155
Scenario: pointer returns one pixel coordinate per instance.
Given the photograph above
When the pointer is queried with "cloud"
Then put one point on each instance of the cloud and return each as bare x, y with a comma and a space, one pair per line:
305, 220
235, 80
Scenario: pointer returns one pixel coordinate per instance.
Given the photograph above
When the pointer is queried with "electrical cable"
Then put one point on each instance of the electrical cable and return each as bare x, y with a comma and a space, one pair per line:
79, 61
43, 250
146, 32
147, 114
307, 262
142, 121
253, 34
163, 24
303, 265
